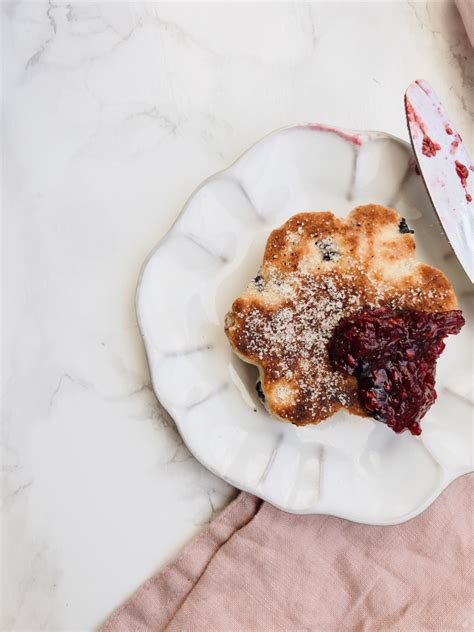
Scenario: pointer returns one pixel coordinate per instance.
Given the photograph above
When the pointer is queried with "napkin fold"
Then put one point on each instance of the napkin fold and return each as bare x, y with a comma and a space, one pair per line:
466, 10
255, 568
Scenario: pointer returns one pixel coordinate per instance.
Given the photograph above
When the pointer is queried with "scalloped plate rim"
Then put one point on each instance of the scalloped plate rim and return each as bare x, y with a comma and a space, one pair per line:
444, 482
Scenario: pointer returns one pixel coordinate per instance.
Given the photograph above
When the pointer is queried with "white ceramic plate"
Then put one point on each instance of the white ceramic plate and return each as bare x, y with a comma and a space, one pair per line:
347, 466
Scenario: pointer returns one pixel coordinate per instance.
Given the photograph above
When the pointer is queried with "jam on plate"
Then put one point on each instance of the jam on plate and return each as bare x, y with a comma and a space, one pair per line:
393, 356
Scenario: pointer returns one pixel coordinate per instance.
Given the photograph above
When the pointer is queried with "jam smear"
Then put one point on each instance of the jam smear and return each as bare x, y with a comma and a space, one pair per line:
429, 147
463, 175
462, 172
393, 355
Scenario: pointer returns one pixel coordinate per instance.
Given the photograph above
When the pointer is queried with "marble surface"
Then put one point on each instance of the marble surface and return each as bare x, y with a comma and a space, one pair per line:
113, 114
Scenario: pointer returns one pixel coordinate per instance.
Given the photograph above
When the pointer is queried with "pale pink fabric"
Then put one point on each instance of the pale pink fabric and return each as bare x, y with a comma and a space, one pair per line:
466, 9
256, 568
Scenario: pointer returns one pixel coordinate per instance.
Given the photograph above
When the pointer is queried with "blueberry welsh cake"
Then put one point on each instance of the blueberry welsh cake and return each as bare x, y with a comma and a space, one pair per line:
341, 315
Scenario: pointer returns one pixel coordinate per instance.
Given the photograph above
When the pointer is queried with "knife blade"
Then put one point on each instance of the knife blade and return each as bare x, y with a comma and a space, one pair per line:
447, 170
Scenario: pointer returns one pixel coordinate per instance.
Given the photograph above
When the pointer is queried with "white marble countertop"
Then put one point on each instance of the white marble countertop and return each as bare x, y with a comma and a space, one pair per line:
113, 114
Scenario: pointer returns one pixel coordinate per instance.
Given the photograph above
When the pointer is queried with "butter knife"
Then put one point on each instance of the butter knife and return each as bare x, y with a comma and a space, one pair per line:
447, 170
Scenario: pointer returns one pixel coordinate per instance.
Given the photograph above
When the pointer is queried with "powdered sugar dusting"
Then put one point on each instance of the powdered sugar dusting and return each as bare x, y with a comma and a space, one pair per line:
290, 342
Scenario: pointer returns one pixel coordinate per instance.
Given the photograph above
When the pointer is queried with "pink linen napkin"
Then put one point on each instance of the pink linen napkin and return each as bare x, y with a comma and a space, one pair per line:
466, 9
256, 568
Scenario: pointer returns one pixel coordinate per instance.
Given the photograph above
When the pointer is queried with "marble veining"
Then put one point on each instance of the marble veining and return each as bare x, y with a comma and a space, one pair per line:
113, 114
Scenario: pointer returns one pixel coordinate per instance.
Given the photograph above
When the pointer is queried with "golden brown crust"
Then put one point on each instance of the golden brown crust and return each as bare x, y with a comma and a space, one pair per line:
316, 269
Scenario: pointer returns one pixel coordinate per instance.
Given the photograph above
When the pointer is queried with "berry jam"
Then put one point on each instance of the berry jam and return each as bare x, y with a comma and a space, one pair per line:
462, 172
429, 147
393, 355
